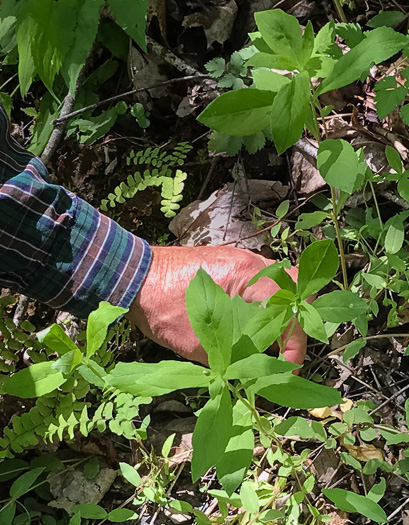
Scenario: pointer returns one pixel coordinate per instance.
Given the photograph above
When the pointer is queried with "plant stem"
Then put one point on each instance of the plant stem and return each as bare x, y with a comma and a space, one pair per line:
340, 11
333, 197
339, 239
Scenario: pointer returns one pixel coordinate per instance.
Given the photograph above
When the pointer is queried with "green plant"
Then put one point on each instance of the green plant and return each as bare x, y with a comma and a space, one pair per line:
29, 32
160, 172
62, 387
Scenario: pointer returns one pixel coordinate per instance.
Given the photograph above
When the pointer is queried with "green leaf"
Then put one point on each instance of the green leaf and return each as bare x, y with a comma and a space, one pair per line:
258, 365
34, 381
241, 112
351, 33
235, 461
43, 127
91, 468
289, 111
395, 235
272, 62
318, 266
294, 426
24, 483
57, 27
130, 474
377, 491
156, 379
307, 44
212, 433
266, 326
311, 322
7, 513
338, 164
86, 27
216, 67
167, 446
56, 340
340, 306
269, 80
210, 314
98, 323
293, 391
404, 113
353, 349
394, 159
90, 511
131, 16
11, 468
68, 361
76, 519
242, 313
388, 95
254, 143
403, 187
277, 273
309, 220
121, 515
249, 497
219, 143
379, 45
281, 32
351, 502
27, 31
385, 18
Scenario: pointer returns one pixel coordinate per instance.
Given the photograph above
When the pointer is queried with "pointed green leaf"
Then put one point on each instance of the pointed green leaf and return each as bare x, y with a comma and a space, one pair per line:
56, 339
235, 461
353, 349
311, 322
98, 323
340, 306
351, 502
395, 235
258, 365
68, 361
394, 159
269, 80
7, 513
34, 381
86, 25
212, 433
379, 45
293, 391
277, 273
130, 474
281, 32
131, 16
210, 314
156, 379
338, 164
318, 266
289, 111
23, 484
90, 511
240, 112
377, 491
266, 326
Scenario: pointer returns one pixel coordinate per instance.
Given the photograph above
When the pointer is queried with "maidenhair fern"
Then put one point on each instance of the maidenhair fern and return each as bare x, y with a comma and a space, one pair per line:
161, 171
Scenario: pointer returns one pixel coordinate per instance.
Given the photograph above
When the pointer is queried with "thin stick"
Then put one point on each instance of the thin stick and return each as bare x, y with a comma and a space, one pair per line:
121, 96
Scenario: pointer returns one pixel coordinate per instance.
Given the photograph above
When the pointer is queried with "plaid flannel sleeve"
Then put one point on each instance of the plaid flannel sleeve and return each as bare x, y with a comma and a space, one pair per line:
55, 247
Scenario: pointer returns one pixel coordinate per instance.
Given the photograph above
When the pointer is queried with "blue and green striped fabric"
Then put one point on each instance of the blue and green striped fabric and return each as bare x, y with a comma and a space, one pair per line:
57, 248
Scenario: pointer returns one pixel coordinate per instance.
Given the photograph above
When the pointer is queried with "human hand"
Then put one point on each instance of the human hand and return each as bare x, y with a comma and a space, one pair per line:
159, 309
